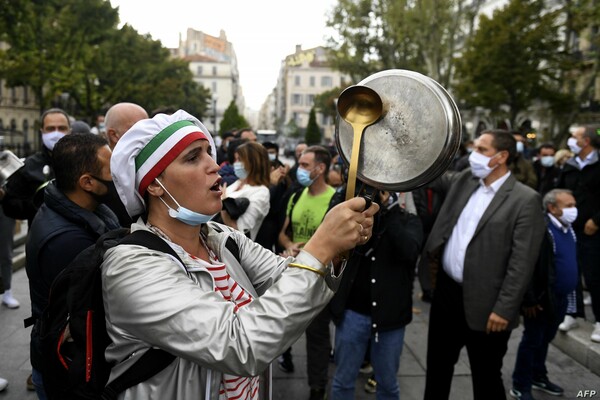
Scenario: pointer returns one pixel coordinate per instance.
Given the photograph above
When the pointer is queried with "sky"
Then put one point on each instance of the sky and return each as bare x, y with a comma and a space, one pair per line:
263, 32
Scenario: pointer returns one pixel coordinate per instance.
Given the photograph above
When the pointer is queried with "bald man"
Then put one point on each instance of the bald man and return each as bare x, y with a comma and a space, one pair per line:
119, 118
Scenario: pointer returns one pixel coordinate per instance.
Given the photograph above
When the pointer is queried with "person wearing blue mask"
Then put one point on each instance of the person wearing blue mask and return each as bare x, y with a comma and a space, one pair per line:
224, 317
251, 166
305, 212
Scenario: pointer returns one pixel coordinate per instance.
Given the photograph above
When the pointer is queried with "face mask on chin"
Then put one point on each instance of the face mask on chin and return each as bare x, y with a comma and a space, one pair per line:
183, 214
479, 164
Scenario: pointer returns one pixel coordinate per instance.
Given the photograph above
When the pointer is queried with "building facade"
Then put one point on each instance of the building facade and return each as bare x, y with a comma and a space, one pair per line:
213, 63
304, 75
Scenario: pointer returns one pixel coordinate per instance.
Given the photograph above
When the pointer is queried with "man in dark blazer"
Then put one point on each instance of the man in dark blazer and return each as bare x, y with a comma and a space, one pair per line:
485, 240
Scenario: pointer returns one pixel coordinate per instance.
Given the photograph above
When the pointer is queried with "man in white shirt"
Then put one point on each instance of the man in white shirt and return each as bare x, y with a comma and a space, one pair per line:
486, 240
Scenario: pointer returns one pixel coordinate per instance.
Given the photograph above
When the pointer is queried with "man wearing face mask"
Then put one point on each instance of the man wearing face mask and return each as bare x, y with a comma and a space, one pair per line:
545, 303
305, 212
581, 174
71, 218
23, 194
486, 240
521, 167
545, 170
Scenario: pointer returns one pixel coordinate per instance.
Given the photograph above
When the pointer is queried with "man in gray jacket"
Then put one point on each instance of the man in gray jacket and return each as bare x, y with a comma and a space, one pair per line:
486, 240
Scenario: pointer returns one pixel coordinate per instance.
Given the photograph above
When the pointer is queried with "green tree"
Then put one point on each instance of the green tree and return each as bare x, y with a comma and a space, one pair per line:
511, 60
291, 129
232, 119
313, 133
136, 68
52, 45
325, 103
418, 35
74, 47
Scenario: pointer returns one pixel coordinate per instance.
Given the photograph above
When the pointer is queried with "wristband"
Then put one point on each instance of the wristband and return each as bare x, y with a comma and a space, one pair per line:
306, 267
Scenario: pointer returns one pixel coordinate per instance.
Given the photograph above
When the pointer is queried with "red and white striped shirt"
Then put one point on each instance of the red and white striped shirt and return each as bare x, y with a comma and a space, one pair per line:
232, 387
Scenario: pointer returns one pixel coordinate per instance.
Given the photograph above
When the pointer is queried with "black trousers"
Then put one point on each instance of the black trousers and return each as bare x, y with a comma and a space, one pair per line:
448, 334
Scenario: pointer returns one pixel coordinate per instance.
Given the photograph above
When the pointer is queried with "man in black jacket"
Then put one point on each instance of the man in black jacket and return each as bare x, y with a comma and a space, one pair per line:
23, 194
71, 218
374, 301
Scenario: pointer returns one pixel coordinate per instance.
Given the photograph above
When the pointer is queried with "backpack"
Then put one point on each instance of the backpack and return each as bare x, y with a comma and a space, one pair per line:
73, 329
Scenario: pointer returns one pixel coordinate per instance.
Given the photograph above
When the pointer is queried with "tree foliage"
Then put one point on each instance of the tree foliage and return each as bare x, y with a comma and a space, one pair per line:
511, 60
313, 133
75, 47
232, 119
418, 35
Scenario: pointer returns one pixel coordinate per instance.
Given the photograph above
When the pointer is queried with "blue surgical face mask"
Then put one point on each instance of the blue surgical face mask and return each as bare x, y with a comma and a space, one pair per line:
547, 161
239, 170
183, 214
51, 138
303, 177
272, 157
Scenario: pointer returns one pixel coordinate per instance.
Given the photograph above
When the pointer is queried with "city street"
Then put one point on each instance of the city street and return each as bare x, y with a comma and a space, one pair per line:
563, 369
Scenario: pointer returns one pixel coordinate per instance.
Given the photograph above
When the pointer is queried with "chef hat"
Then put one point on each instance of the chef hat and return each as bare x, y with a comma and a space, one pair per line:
147, 148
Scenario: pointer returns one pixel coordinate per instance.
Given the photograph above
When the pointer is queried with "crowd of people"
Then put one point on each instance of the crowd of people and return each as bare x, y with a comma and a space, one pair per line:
505, 235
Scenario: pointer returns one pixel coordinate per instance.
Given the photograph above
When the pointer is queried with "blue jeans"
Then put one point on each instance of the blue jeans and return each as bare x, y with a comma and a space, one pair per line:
352, 337
533, 349
38, 383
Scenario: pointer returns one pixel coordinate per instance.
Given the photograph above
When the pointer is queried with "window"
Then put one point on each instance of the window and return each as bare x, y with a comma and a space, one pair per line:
25, 127
13, 96
13, 125
199, 70
25, 95
214, 70
297, 81
214, 87
312, 81
310, 99
326, 81
297, 99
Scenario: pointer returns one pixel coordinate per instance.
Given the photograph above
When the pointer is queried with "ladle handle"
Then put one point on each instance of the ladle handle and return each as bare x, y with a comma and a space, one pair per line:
353, 167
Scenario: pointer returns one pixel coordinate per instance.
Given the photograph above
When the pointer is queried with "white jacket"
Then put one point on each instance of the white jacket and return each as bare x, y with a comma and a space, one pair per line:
150, 300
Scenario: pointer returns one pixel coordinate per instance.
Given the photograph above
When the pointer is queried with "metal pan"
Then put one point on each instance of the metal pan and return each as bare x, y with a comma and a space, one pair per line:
415, 139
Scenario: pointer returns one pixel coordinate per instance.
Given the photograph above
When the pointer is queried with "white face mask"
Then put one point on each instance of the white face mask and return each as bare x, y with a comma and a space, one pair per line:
520, 147
547, 161
479, 165
569, 215
49, 139
572, 143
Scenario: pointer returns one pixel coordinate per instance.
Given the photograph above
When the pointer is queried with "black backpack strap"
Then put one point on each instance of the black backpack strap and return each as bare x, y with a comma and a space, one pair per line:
150, 363
230, 243
151, 241
154, 360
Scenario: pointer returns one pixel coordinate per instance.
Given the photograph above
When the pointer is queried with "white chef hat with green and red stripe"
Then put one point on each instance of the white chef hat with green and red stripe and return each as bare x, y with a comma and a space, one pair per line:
145, 150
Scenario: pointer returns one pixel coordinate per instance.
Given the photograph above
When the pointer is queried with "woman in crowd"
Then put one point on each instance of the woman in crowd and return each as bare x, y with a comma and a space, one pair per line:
225, 320
252, 168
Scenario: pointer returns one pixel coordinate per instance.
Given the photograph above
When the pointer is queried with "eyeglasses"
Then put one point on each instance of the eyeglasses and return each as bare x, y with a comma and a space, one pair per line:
51, 128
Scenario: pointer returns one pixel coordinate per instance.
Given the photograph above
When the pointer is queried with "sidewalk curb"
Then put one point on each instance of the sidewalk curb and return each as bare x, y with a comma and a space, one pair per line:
577, 344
